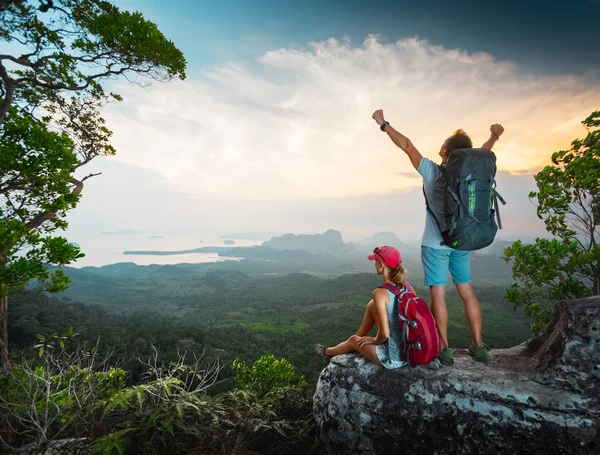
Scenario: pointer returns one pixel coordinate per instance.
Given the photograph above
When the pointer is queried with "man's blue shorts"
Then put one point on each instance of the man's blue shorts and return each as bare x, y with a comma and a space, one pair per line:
437, 262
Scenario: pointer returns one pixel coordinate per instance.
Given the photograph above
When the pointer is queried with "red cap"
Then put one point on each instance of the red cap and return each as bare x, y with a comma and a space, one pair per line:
387, 255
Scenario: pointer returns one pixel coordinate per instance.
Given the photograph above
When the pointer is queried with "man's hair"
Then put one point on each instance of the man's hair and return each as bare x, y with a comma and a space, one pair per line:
458, 140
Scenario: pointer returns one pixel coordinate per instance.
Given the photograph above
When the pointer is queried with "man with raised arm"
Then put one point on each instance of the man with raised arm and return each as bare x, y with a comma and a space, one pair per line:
437, 258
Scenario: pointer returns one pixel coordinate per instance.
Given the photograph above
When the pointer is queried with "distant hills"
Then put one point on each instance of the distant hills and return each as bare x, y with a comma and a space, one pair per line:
330, 242
291, 247
382, 238
327, 254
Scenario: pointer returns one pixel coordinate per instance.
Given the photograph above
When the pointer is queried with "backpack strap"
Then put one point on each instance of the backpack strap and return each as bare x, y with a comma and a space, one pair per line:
407, 324
390, 287
496, 197
496, 206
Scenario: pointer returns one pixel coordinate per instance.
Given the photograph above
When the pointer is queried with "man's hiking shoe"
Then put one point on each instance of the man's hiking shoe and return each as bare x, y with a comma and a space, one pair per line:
320, 352
445, 357
479, 352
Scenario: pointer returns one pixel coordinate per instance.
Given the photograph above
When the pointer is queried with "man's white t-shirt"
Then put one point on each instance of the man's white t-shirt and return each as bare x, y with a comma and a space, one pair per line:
434, 189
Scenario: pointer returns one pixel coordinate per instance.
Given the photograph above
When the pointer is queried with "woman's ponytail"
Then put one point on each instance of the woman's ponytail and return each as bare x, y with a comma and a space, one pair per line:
398, 275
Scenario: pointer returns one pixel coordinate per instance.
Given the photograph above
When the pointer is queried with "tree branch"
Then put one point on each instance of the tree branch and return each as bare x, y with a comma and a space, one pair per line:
22, 60
88, 80
40, 218
82, 59
90, 176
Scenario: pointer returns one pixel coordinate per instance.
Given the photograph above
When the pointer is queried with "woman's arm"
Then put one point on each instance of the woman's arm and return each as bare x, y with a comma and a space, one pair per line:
381, 300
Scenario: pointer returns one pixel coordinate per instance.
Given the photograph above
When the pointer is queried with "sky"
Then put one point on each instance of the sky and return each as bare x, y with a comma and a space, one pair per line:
272, 129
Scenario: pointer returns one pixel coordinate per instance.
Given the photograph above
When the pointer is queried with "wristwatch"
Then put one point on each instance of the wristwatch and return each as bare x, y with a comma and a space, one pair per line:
383, 125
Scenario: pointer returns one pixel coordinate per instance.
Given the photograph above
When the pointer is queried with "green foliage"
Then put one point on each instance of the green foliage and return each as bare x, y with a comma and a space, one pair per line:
50, 122
567, 266
169, 412
54, 341
176, 308
74, 45
115, 441
172, 413
266, 374
158, 412
35, 170
77, 43
54, 396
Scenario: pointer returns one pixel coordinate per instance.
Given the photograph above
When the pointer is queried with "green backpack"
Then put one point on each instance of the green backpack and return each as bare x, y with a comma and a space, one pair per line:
470, 200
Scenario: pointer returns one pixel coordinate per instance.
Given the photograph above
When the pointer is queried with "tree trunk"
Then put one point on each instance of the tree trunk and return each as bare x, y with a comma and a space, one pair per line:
4, 359
9, 92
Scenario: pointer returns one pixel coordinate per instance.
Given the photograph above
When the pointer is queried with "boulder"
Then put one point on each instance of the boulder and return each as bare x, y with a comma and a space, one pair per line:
542, 396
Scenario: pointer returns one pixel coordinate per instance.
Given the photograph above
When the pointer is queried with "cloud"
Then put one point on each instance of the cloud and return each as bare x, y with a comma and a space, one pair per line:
297, 123
126, 196
288, 144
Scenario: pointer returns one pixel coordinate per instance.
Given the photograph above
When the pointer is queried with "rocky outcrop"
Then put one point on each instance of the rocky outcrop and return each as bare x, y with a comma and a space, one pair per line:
541, 397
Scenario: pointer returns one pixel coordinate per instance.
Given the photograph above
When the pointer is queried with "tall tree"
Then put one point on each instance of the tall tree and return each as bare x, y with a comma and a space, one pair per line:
51, 91
568, 198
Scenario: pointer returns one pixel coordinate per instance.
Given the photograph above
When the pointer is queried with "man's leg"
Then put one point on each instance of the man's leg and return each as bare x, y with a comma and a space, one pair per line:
472, 311
435, 265
460, 268
440, 313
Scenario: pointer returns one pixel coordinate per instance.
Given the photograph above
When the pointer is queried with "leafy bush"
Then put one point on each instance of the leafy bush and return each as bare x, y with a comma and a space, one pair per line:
567, 266
264, 376
170, 415
63, 389
54, 395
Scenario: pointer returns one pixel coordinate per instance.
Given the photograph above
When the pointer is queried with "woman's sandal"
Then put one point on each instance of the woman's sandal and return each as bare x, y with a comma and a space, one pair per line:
320, 352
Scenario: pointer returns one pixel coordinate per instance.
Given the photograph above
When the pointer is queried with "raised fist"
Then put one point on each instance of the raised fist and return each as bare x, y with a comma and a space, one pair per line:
378, 117
497, 129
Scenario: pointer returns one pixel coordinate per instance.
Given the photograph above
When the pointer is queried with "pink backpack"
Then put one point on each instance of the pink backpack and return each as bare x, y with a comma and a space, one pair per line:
420, 337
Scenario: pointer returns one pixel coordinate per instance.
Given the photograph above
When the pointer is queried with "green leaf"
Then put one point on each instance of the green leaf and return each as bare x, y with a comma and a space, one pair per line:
140, 397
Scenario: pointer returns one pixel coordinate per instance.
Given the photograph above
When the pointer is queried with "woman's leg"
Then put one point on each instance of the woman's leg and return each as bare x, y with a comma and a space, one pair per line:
351, 345
343, 348
369, 320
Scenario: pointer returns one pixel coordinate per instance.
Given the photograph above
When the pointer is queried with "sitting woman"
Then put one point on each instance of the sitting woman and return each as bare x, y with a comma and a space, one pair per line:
382, 310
